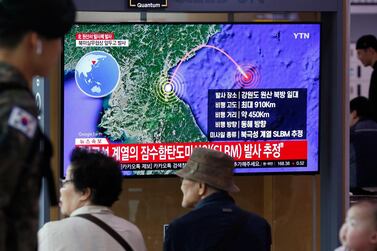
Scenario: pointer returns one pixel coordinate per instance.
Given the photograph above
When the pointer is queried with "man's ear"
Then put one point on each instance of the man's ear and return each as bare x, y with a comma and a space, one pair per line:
86, 194
202, 188
370, 50
33, 42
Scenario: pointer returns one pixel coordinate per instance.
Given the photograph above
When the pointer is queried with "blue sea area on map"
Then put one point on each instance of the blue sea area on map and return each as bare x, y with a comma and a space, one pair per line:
81, 114
282, 60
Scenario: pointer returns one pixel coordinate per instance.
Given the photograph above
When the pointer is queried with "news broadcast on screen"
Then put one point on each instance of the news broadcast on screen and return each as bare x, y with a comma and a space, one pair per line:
148, 94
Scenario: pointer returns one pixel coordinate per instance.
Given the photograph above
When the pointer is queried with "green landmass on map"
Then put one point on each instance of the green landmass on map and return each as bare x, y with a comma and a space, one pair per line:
133, 113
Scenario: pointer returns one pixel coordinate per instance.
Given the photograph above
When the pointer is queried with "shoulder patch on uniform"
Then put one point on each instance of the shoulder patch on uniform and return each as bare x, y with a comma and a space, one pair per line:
23, 121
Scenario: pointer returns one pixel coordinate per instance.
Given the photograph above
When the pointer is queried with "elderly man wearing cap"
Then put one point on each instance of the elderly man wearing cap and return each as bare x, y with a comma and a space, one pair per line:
366, 47
30, 44
215, 223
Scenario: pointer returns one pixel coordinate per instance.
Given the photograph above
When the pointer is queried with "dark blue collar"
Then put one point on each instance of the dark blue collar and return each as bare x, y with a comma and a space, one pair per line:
215, 198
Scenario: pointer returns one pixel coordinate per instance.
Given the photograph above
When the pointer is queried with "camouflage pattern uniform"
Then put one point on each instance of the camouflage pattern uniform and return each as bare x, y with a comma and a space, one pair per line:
20, 172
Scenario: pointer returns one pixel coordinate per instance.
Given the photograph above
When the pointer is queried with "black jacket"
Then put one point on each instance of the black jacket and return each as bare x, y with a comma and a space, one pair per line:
363, 146
217, 224
373, 91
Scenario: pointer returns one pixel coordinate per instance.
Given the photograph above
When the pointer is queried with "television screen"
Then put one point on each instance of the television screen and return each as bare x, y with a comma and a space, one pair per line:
147, 94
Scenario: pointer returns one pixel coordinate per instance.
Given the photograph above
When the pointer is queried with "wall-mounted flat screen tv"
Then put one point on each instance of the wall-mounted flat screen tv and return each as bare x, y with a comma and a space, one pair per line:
149, 93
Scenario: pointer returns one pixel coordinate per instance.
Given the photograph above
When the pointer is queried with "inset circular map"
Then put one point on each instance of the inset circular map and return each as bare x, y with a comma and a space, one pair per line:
97, 74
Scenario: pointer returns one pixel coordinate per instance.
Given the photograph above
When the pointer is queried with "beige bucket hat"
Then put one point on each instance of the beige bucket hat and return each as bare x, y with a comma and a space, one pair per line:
211, 167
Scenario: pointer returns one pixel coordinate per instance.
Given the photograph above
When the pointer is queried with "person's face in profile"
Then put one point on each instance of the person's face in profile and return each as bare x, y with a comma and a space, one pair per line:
359, 232
70, 198
364, 56
353, 118
190, 190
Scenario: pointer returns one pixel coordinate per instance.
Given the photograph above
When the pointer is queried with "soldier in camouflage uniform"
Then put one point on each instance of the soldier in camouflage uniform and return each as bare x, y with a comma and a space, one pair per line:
30, 44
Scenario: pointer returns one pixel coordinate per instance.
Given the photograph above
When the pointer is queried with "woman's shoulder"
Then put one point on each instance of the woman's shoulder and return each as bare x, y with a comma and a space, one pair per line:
69, 222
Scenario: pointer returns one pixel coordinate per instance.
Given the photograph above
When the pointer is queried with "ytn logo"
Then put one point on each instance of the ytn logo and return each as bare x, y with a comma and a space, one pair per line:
301, 35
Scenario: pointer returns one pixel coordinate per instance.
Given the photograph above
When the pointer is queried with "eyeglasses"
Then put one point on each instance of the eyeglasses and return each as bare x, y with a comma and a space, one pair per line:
64, 182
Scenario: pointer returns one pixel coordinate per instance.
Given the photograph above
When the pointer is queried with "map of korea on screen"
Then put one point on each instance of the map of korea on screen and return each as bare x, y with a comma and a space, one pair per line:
147, 94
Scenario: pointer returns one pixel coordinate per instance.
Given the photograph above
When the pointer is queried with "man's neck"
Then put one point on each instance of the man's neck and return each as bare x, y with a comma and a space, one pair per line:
209, 191
367, 249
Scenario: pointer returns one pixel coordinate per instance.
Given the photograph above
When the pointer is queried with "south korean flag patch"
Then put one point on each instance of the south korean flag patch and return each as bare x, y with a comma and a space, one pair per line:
23, 121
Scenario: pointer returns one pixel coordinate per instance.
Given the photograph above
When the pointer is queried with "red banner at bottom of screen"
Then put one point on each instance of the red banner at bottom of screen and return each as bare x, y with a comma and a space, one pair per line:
180, 152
